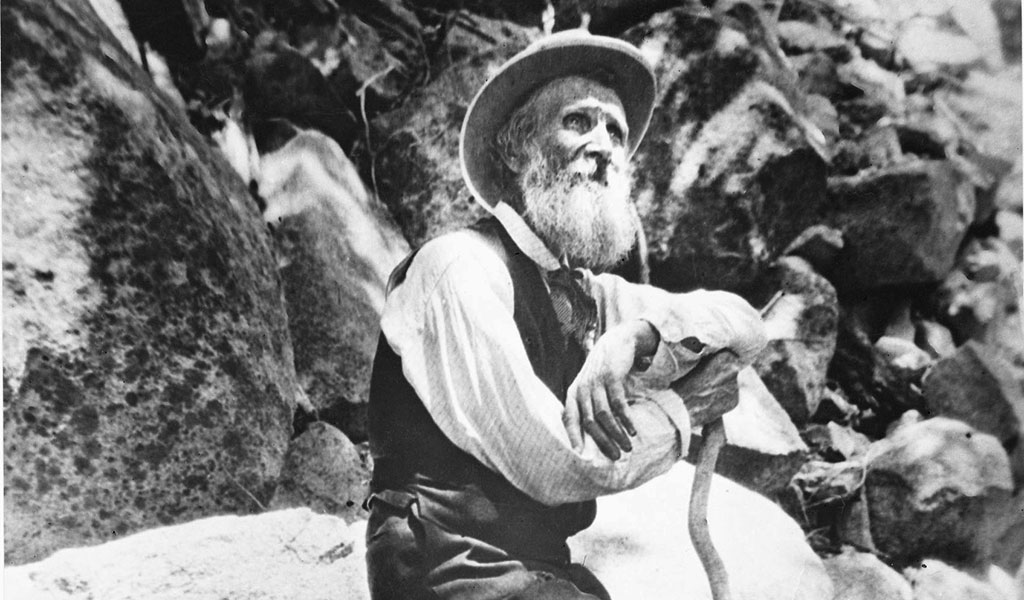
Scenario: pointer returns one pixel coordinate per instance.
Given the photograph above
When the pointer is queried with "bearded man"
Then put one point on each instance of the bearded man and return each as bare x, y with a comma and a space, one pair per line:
513, 385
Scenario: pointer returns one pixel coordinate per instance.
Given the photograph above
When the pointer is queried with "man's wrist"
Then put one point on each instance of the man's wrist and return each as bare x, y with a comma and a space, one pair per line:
646, 339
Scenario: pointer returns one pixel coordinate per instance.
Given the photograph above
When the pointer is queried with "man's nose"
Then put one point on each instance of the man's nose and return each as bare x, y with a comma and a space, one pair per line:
600, 143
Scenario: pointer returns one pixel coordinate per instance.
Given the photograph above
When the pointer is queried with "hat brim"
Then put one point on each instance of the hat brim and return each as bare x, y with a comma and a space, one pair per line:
622, 68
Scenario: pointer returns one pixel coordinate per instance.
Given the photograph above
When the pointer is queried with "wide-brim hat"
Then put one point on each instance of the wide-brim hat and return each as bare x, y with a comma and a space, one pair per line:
613, 62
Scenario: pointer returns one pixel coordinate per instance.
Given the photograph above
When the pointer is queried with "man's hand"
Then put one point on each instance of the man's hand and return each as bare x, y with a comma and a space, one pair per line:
710, 390
596, 400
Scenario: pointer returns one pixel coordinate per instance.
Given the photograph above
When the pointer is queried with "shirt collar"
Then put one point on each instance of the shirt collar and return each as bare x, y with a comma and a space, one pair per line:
524, 237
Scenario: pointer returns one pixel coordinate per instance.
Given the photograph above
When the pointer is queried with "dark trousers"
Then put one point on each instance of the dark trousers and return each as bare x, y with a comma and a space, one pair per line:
410, 557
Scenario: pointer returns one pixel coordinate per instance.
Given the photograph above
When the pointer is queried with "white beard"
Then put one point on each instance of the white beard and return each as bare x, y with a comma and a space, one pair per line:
588, 220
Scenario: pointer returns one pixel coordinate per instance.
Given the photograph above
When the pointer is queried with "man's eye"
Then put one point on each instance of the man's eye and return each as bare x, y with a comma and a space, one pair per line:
616, 134
577, 122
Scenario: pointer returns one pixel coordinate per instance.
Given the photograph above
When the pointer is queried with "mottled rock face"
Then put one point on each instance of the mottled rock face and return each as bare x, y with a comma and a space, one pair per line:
336, 247
725, 180
147, 366
416, 148
937, 488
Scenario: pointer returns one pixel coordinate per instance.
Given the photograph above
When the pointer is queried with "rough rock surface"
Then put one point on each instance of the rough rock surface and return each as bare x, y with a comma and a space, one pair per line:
415, 149
323, 471
147, 364
639, 548
937, 488
725, 179
901, 225
978, 386
280, 555
763, 448
801, 326
861, 576
336, 248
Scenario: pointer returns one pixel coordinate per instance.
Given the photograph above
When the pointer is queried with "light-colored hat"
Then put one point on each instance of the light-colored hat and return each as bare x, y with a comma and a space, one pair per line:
564, 54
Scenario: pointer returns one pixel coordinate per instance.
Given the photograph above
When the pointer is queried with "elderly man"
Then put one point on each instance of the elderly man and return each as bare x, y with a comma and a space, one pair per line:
512, 385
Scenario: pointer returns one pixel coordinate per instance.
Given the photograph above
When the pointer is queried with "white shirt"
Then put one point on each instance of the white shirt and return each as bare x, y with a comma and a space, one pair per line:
451, 322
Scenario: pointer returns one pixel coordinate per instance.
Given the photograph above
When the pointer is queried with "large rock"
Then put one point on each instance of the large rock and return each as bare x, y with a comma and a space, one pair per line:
639, 546
415, 148
323, 471
763, 448
147, 370
725, 178
861, 576
280, 555
901, 225
336, 246
801, 326
937, 488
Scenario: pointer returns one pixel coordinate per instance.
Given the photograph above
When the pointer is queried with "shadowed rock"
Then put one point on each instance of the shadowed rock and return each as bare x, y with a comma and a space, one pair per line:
336, 247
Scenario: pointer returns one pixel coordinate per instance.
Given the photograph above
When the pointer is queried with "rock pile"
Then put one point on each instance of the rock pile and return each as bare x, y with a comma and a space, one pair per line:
174, 315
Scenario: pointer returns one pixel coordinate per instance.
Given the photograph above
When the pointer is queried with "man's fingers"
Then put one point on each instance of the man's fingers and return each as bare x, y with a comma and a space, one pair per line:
617, 399
571, 418
606, 419
606, 446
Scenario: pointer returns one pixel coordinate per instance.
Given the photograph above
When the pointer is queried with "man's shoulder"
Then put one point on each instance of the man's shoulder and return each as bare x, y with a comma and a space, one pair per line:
462, 252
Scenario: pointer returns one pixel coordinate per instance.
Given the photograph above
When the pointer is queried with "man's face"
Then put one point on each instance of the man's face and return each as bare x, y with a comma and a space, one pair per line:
575, 181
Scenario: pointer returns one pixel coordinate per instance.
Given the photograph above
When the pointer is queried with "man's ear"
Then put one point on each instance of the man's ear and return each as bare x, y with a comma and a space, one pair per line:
515, 161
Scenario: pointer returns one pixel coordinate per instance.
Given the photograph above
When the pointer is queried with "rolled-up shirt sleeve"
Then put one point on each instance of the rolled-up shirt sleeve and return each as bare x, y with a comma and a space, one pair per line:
691, 325
451, 321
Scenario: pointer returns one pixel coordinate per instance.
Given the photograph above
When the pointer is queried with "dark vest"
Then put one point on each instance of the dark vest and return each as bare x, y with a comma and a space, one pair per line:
454, 489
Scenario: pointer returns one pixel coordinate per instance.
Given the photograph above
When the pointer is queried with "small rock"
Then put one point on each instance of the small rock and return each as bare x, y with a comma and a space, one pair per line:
884, 87
906, 359
823, 482
937, 580
818, 245
835, 442
901, 225
801, 327
934, 338
937, 488
797, 37
763, 448
280, 555
323, 471
817, 73
861, 576
979, 386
